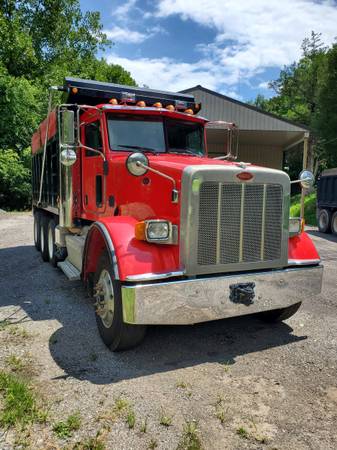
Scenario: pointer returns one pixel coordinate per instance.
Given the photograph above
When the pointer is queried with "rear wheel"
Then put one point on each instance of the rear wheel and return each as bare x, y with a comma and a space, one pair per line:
37, 219
334, 223
278, 315
324, 217
44, 237
116, 334
52, 250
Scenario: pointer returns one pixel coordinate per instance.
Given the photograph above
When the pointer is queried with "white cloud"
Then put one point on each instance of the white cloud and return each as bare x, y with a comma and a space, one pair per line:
252, 35
264, 85
124, 35
123, 11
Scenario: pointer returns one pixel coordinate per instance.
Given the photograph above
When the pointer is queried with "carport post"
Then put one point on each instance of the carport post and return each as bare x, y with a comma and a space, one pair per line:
305, 165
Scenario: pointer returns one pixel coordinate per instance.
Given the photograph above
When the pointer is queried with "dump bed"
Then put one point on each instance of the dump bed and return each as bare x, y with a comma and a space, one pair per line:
327, 189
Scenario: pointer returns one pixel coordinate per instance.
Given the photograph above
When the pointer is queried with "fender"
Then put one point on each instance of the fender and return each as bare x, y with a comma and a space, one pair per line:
302, 248
128, 255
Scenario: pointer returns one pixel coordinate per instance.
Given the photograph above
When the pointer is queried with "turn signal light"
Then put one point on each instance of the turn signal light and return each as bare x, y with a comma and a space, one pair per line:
140, 231
157, 105
113, 101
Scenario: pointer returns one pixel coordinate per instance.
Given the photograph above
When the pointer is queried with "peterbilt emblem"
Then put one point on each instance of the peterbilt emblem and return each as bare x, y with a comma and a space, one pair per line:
245, 176
242, 293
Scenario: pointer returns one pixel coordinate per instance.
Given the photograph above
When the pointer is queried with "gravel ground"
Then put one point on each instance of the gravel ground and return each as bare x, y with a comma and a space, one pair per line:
247, 385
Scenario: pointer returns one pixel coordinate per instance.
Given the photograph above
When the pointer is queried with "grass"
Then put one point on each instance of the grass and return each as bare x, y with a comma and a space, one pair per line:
190, 438
65, 429
153, 444
15, 363
95, 443
309, 208
166, 421
19, 405
242, 432
143, 426
120, 404
131, 418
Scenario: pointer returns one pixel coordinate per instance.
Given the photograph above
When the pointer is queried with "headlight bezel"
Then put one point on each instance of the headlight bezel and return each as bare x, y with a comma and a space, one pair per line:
142, 232
296, 223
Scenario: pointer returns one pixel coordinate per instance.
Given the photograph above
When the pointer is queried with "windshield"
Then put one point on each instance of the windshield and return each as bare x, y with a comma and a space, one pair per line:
157, 135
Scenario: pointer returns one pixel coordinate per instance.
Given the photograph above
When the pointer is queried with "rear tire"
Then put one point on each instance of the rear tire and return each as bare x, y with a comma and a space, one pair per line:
324, 220
278, 315
52, 250
334, 223
44, 237
37, 220
115, 334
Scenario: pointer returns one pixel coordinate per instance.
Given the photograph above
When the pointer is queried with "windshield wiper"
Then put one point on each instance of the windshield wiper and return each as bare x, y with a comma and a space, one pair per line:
185, 151
138, 147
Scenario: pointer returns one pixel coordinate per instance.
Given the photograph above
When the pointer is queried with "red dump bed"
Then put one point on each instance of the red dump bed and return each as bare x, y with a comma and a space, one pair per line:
39, 136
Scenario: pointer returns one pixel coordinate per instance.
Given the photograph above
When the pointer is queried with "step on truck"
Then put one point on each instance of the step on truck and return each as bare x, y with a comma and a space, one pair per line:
126, 199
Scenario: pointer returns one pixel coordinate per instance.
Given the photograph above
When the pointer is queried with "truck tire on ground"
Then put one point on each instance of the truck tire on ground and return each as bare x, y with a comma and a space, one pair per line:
44, 237
278, 315
52, 250
116, 334
37, 217
324, 220
334, 223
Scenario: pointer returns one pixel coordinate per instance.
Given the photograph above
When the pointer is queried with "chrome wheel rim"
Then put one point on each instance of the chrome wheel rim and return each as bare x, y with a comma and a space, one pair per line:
104, 296
41, 238
50, 243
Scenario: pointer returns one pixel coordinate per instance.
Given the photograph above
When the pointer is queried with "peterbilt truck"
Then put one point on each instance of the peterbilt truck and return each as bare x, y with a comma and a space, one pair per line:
126, 199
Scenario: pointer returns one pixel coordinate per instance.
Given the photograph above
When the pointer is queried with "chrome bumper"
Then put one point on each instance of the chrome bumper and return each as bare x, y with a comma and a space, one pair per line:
200, 300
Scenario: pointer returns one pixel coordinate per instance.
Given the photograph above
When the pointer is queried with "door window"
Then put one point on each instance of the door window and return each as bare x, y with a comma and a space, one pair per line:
93, 138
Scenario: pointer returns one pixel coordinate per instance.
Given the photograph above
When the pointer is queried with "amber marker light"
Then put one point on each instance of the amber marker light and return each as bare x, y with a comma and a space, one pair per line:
170, 107
189, 111
113, 101
141, 104
74, 90
140, 231
157, 105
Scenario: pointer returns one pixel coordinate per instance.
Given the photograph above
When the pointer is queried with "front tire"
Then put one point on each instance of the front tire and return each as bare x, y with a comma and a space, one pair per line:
278, 315
334, 223
115, 334
324, 220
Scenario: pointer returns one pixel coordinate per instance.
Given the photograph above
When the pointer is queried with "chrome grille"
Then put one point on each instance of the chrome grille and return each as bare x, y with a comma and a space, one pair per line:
239, 223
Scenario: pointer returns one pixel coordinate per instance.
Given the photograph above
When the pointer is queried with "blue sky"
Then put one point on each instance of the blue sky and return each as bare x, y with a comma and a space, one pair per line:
232, 46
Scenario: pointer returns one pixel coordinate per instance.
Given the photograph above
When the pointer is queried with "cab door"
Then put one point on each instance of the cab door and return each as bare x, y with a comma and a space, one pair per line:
93, 182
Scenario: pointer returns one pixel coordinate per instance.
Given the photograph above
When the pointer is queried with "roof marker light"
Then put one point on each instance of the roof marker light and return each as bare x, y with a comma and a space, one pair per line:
157, 105
113, 101
189, 111
141, 104
170, 107
74, 90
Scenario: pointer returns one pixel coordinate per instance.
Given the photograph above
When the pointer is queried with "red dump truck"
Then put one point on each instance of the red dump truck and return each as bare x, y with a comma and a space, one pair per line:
126, 199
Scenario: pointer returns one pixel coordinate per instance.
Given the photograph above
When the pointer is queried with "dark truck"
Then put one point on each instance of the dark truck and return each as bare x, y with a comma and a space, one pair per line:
327, 201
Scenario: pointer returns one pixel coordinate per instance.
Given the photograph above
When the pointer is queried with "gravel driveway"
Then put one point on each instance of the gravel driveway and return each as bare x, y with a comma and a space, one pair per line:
231, 384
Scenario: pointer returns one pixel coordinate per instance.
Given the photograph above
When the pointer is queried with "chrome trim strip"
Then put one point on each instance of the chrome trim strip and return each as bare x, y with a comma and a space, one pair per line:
303, 262
108, 240
242, 206
154, 276
218, 231
189, 301
263, 220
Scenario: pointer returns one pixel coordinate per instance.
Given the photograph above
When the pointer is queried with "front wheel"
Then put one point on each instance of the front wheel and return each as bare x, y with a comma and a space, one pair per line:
116, 334
324, 221
278, 315
334, 223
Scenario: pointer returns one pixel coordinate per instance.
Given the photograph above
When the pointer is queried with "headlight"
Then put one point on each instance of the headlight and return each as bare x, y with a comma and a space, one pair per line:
295, 226
158, 231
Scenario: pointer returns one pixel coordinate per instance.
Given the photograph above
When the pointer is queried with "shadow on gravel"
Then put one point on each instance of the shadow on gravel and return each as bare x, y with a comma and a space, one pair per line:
326, 236
46, 295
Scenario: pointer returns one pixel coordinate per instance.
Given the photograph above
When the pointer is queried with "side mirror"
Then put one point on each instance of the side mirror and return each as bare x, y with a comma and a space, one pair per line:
67, 127
68, 157
137, 164
306, 179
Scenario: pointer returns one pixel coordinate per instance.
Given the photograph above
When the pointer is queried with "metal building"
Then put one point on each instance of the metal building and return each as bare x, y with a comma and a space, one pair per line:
264, 137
